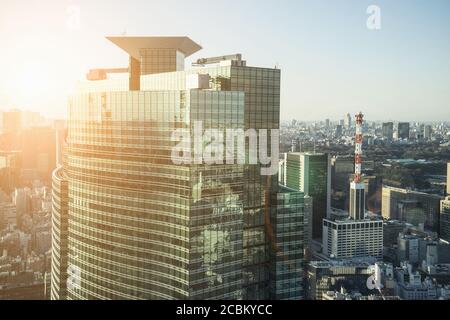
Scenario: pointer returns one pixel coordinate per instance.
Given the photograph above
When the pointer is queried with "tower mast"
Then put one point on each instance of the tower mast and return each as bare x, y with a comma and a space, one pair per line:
357, 189
358, 147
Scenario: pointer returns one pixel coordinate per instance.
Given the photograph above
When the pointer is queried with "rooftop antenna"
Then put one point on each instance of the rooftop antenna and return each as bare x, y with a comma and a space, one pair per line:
357, 193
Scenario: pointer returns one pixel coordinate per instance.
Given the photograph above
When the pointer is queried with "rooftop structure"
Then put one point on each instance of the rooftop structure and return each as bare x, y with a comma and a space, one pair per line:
134, 45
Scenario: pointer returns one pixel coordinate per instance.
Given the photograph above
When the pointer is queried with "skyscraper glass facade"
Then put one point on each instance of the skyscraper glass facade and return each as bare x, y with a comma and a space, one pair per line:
311, 174
142, 227
59, 235
287, 238
444, 222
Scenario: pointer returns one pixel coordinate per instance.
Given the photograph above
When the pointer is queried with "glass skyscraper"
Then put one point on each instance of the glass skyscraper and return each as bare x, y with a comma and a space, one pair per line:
388, 130
444, 218
59, 267
288, 240
403, 130
310, 173
444, 223
140, 226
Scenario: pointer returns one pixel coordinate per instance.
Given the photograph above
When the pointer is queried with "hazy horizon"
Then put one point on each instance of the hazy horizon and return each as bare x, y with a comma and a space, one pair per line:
331, 63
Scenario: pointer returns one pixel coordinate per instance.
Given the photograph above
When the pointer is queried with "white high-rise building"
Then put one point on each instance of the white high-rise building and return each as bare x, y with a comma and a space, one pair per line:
353, 239
348, 120
427, 131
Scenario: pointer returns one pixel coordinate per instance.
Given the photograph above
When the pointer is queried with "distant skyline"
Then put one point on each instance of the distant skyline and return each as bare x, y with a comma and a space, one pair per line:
332, 120
331, 62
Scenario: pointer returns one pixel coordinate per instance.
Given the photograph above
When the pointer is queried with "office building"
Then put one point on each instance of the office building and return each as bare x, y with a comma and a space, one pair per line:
388, 130
288, 238
414, 207
308, 200
343, 239
342, 167
348, 120
12, 122
308, 216
325, 276
391, 230
444, 219
416, 247
141, 226
403, 130
8, 215
11, 127
338, 131
408, 248
38, 146
10, 170
296, 145
310, 173
342, 170
59, 266
22, 200
411, 286
448, 178
427, 131
372, 185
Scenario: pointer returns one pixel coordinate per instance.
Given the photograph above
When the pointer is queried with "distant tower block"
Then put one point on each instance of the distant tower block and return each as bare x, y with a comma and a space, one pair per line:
357, 191
294, 145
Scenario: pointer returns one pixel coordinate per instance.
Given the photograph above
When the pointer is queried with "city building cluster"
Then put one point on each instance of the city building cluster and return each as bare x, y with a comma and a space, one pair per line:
384, 234
25, 242
96, 207
28, 155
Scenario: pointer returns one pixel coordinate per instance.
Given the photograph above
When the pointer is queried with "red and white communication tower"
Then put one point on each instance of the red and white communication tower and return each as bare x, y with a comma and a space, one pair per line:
357, 206
358, 147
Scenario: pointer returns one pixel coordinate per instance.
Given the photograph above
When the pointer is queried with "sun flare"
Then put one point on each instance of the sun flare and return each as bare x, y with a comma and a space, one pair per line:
31, 81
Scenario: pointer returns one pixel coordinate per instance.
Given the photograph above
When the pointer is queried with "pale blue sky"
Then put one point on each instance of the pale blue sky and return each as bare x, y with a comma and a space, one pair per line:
331, 63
